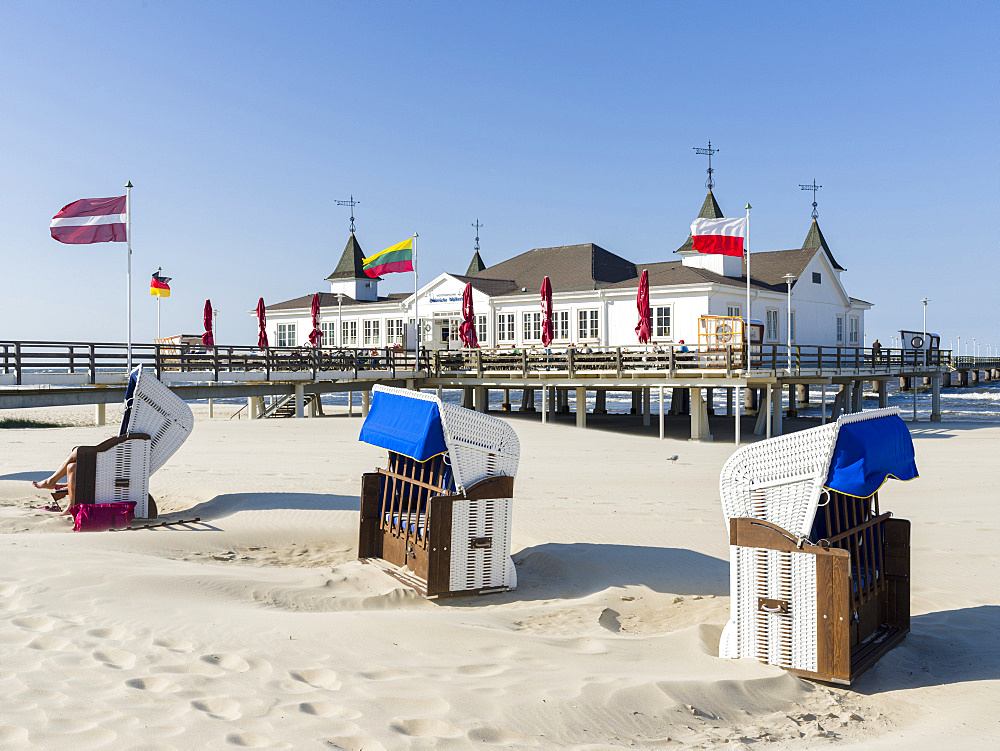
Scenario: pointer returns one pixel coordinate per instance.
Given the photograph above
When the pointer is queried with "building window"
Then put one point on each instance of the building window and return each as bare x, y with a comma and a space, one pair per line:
329, 334
817, 278
371, 329
394, 331
560, 324
772, 325
791, 335
481, 329
505, 327
840, 329
286, 335
589, 328
733, 311
532, 327
349, 334
661, 322
855, 330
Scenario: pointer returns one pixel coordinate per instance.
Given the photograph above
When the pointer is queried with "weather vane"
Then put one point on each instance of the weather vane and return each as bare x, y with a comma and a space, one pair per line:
709, 183
352, 203
478, 226
814, 187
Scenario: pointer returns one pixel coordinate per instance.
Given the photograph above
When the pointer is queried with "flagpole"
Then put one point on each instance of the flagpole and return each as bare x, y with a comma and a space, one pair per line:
128, 274
416, 311
747, 251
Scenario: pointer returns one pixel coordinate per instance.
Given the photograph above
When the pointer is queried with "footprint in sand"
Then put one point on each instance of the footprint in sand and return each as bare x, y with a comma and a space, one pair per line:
174, 645
253, 740
114, 634
426, 727
51, 644
34, 623
481, 671
318, 678
219, 708
353, 743
227, 662
115, 658
11, 734
328, 709
8, 589
384, 674
491, 736
153, 684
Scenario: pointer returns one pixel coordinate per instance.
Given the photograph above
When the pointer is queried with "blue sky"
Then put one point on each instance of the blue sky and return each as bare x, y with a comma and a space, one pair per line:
241, 124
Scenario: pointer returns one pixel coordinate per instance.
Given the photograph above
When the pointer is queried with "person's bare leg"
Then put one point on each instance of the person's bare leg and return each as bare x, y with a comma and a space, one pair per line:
49, 483
70, 486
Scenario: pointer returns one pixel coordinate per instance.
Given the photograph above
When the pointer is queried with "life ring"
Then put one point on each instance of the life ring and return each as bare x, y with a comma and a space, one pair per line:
724, 332
917, 342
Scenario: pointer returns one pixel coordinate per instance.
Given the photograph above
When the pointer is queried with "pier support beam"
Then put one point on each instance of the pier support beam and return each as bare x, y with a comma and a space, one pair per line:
699, 417
563, 401
883, 394
100, 414
636, 399
581, 407
505, 406
680, 401
822, 404
659, 400
300, 397
350, 404
467, 400
646, 406
527, 400
792, 411
776, 426
710, 400
802, 395
857, 394
936, 398
600, 402
839, 401
482, 395
366, 401
546, 396
730, 396
750, 400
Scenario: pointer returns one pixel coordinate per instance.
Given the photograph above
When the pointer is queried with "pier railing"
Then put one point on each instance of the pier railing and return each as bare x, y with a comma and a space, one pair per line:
968, 362
89, 359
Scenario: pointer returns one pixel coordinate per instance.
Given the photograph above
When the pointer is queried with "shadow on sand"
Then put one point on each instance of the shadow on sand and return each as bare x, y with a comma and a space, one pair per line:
950, 646
224, 505
26, 476
573, 570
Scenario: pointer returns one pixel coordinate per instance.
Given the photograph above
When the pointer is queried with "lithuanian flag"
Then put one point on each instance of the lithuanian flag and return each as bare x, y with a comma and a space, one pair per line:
158, 286
399, 257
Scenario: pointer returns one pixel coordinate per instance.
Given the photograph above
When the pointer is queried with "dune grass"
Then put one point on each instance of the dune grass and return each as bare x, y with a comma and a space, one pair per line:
20, 422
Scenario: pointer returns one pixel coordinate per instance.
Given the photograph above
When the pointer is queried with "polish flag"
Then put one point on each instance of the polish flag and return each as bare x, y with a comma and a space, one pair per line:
722, 236
90, 220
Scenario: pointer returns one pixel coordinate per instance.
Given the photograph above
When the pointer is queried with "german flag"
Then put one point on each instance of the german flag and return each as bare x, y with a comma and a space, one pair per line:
397, 258
158, 286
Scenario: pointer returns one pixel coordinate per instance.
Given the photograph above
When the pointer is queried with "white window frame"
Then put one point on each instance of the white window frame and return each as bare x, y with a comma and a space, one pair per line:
394, 331
481, 328
286, 336
349, 334
532, 322
734, 310
854, 330
589, 324
663, 322
560, 325
769, 315
372, 332
505, 327
840, 329
329, 329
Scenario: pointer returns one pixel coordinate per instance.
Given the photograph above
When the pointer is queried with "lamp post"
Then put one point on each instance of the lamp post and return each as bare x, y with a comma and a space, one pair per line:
789, 278
973, 348
215, 323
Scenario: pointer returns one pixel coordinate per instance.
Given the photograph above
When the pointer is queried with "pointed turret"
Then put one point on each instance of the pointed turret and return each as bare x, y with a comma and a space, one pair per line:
476, 265
815, 240
709, 210
349, 278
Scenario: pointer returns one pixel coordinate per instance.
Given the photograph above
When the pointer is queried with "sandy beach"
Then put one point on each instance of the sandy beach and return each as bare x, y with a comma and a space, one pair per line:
259, 628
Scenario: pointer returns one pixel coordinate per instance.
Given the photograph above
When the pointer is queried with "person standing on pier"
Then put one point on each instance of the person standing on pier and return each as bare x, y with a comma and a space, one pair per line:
876, 352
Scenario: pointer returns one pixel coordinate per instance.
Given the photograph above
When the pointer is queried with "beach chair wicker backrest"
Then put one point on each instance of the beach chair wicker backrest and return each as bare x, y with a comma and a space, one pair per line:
781, 479
157, 411
479, 446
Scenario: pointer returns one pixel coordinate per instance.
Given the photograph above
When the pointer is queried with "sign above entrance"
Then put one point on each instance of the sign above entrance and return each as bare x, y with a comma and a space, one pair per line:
445, 298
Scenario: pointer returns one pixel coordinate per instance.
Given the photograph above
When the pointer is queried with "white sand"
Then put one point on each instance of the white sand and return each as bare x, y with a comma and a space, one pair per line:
262, 630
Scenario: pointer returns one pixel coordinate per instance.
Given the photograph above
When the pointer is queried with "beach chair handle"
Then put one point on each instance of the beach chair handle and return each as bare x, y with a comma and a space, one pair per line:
767, 605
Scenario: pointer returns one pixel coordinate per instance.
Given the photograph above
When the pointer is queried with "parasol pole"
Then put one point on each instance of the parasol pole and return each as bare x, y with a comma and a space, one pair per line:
416, 311
128, 276
746, 250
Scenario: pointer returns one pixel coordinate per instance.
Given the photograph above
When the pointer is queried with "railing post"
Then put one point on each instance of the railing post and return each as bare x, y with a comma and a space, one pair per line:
390, 359
729, 360
479, 363
158, 364
92, 364
71, 359
798, 360
215, 361
17, 362
354, 354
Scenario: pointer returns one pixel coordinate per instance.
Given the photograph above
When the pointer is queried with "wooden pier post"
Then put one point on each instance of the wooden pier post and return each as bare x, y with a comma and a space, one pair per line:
936, 398
636, 406
802, 395
545, 406
750, 400
600, 402
646, 406
883, 394
699, 417
527, 400
856, 396
776, 412
581, 407
467, 400
730, 396
505, 405
366, 399
792, 411
300, 392
482, 395
100, 415
710, 400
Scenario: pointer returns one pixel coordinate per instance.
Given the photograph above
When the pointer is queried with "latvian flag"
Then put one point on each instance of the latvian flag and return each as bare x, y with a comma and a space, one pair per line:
158, 286
397, 258
722, 236
90, 220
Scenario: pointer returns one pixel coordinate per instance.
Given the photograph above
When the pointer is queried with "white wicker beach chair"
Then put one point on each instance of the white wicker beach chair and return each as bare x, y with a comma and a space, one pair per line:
819, 577
438, 516
155, 424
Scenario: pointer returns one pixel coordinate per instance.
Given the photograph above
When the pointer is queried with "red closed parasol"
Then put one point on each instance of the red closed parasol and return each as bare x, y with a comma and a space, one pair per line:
315, 336
467, 331
262, 335
207, 339
546, 312
644, 329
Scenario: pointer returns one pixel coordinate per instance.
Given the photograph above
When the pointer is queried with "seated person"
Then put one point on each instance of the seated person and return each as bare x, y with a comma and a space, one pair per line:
67, 470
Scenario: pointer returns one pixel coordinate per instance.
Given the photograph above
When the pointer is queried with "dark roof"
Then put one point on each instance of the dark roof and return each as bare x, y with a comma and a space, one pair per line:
476, 265
815, 240
569, 268
770, 267
491, 287
329, 300
352, 262
709, 210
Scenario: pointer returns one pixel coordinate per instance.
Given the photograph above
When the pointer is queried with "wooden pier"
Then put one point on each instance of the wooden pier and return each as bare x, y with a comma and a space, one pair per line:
38, 373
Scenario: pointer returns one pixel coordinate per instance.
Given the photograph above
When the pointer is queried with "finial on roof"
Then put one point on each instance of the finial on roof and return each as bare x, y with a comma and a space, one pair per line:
814, 187
709, 183
478, 226
352, 203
